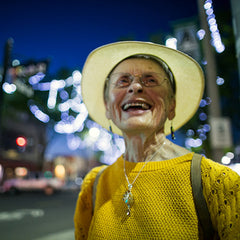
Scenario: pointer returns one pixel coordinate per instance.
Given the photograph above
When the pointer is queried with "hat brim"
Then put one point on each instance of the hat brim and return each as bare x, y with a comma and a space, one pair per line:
187, 73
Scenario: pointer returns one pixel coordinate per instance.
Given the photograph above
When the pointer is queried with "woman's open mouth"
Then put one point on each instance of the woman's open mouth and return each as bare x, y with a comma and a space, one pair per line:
133, 106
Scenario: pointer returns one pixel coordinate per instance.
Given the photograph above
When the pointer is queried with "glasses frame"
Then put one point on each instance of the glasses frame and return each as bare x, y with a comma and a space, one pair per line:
131, 77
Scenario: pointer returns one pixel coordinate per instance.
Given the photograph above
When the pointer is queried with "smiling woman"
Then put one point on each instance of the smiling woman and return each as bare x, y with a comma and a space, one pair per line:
138, 97
138, 90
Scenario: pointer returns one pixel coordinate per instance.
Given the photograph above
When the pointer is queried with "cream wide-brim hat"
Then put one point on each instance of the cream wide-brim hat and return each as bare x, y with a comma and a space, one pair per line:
187, 73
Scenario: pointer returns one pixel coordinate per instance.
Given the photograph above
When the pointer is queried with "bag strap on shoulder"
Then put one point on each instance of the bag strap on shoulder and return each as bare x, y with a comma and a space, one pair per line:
95, 186
199, 200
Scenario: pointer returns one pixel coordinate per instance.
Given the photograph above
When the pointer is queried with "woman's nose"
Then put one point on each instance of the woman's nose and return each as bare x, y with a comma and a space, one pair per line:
135, 86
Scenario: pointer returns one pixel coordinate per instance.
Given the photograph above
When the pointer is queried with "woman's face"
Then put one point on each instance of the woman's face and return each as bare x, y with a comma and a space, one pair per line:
134, 107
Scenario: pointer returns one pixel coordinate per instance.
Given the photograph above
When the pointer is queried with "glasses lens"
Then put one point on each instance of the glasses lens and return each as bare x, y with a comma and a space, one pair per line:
147, 79
152, 79
121, 79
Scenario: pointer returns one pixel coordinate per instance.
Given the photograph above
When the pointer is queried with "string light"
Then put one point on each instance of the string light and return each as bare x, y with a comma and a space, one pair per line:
9, 88
98, 138
43, 117
213, 27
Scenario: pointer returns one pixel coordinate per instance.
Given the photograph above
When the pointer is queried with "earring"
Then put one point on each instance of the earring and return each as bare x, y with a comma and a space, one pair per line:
111, 132
172, 132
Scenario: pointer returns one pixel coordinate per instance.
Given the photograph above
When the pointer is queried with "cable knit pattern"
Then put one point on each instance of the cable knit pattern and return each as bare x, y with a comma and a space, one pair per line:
221, 189
163, 202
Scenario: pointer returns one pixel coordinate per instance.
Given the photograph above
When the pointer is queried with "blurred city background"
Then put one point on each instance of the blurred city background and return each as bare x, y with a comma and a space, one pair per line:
48, 142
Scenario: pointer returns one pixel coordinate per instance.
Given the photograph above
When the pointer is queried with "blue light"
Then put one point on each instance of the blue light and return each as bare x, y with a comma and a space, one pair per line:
9, 88
220, 81
206, 127
201, 34
207, 5
190, 133
216, 38
202, 136
39, 114
64, 116
212, 21
42, 86
203, 116
36, 78
209, 11
209, 100
203, 103
190, 142
64, 95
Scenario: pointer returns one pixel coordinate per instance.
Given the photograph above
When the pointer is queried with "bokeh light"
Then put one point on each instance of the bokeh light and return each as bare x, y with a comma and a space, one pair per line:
171, 43
213, 27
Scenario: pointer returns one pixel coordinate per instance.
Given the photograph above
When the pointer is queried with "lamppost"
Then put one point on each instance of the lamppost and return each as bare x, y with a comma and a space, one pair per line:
220, 135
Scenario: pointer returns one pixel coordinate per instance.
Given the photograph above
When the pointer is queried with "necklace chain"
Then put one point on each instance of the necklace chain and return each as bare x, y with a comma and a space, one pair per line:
128, 196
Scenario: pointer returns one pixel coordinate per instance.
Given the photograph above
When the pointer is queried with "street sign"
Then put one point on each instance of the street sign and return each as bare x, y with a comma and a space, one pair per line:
221, 134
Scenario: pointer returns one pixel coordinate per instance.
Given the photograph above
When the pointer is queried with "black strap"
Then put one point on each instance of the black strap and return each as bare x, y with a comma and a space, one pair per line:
199, 200
95, 186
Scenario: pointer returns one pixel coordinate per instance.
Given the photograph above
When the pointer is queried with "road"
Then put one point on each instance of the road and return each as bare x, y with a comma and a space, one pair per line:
36, 216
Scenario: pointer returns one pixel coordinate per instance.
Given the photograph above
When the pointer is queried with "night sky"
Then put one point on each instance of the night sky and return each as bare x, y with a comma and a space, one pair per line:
66, 31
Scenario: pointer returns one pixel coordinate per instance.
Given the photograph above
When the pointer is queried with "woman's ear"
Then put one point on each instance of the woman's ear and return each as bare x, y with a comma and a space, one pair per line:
172, 107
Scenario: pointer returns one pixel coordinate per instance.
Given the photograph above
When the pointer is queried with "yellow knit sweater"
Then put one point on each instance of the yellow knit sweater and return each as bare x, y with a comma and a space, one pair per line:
163, 203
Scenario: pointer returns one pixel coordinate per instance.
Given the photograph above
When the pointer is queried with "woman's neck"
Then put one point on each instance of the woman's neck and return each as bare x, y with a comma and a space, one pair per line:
140, 148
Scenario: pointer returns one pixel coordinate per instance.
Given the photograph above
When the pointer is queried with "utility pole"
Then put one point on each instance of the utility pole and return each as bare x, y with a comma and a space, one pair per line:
211, 76
6, 64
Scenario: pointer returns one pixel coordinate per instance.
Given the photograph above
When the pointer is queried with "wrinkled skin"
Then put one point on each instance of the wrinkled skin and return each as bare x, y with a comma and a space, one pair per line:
142, 128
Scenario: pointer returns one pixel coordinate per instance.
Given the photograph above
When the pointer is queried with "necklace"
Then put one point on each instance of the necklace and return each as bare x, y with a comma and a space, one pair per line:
128, 196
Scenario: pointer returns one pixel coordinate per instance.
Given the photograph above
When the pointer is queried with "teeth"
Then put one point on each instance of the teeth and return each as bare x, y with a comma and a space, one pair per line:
142, 105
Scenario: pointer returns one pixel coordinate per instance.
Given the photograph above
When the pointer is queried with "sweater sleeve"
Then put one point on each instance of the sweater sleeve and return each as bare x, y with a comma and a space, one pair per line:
83, 210
221, 189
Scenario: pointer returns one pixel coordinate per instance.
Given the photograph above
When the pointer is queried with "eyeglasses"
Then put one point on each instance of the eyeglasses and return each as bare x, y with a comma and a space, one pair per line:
150, 79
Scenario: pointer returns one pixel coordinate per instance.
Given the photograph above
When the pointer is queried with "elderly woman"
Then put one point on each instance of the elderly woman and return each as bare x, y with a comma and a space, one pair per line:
140, 90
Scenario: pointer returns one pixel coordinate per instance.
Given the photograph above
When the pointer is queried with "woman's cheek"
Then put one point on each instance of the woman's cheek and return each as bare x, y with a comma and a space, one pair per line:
115, 103
161, 110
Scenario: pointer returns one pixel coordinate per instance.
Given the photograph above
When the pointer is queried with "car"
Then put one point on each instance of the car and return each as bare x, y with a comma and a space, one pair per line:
47, 185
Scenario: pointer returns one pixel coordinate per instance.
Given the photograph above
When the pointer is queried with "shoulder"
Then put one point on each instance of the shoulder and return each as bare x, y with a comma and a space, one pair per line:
90, 177
87, 185
83, 210
211, 169
219, 176
221, 189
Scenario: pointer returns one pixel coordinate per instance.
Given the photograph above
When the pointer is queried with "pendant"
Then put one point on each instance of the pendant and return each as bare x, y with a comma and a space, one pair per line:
128, 199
